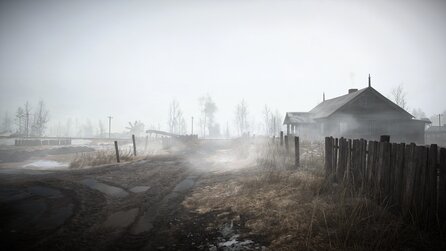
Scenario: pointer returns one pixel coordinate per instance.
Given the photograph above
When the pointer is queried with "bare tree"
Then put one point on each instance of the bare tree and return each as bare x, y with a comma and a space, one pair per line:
20, 118
241, 117
267, 120
208, 109
27, 117
176, 121
6, 123
101, 129
399, 97
41, 118
418, 113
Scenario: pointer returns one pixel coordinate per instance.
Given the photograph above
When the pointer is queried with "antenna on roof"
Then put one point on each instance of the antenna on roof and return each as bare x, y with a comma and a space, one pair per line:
323, 97
370, 81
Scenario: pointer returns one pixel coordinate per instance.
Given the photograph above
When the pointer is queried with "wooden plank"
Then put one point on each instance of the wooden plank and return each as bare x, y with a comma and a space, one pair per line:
328, 156
335, 157
355, 162
347, 174
431, 185
419, 182
442, 187
342, 160
296, 152
408, 180
398, 174
384, 171
392, 173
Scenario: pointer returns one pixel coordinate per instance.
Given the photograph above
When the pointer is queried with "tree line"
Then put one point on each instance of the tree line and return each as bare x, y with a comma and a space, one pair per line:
28, 121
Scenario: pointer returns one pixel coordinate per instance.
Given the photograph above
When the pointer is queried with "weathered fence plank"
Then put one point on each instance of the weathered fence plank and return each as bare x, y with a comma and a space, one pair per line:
296, 152
442, 187
342, 160
328, 156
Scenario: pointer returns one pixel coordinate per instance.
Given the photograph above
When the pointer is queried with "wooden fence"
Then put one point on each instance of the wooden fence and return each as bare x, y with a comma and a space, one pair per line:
410, 179
41, 142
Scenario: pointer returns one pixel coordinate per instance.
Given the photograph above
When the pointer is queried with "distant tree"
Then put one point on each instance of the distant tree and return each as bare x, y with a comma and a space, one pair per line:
68, 125
241, 117
27, 117
41, 118
101, 129
176, 121
19, 119
6, 123
399, 96
208, 109
88, 129
418, 113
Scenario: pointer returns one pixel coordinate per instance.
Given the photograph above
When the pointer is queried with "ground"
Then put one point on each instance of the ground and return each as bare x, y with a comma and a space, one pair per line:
133, 205
212, 195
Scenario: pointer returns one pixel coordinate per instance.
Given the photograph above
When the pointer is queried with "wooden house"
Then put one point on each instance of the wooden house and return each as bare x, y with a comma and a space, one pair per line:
363, 113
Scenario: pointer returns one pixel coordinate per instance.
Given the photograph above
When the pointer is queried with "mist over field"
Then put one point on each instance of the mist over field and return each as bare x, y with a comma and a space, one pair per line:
222, 125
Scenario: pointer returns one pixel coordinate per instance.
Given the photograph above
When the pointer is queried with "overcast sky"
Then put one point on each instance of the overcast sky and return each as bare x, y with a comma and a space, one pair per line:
129, 59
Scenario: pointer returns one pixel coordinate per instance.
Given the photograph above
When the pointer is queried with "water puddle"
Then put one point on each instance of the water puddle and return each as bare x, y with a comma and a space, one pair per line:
104, 188
122, 219
46, 165
139, 189
12, 194
184, 185
45, 192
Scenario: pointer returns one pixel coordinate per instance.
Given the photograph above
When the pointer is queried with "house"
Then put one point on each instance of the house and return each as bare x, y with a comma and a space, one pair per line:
363, 113
436, 135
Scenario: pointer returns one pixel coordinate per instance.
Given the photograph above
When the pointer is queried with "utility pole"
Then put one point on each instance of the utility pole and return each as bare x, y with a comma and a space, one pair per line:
192, 132
109, 126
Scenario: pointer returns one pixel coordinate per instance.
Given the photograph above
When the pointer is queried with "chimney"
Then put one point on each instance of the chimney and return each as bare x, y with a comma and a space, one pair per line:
370, 81
323, 97
352, 90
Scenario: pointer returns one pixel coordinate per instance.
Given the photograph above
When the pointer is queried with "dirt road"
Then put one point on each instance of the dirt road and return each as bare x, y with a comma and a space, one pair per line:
121, 206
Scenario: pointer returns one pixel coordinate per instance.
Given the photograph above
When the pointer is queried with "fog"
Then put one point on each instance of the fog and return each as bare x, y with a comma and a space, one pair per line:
130, 59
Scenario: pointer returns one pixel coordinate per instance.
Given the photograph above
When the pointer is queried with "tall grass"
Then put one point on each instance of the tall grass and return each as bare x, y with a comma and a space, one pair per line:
297, 209
101, 157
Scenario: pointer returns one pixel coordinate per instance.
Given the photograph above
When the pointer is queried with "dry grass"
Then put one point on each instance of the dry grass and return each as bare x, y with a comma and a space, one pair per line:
299, 210
101, 157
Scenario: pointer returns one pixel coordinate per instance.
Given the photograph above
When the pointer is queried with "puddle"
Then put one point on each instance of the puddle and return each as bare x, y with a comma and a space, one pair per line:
184, 185
12, 194
107, 189
122, 219
144, 224
45, 192
139, 189
46, 165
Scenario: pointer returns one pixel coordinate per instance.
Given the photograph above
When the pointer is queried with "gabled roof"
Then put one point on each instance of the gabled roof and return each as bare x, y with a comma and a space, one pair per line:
330, 106
298, 117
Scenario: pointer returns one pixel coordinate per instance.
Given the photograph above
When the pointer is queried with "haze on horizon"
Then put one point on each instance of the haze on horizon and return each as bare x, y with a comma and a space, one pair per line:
130, 59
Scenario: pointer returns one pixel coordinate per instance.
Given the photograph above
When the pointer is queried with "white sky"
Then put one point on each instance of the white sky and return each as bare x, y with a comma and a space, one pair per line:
129, 59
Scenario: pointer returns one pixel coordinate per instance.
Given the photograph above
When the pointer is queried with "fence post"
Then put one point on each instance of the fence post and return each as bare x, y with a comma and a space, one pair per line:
281, 138
296, 152
328, 156
442, 187
134, 144
286, 143
408, 179
117, 151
